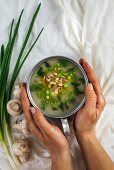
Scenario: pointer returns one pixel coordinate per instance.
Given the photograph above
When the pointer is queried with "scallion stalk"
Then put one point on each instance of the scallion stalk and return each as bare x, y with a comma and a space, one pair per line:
7, 82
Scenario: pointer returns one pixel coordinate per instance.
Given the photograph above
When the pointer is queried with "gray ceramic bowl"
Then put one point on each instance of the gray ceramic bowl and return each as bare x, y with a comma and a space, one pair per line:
47, 59
77, 106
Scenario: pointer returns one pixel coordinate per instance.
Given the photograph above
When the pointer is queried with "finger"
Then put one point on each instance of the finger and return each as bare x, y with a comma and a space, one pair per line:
33, 128
91, 76
101, 102
91, 98
26, 105
93, 79
25, 101
40, 121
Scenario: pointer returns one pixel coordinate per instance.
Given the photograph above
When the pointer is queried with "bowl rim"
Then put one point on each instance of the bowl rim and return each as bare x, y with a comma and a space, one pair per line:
41, 62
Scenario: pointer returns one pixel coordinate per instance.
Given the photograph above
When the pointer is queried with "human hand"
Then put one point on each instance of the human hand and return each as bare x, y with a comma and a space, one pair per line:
88, 115
49, 134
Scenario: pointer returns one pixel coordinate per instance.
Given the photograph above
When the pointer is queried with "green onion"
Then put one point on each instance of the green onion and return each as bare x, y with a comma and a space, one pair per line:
65, 85
7, 81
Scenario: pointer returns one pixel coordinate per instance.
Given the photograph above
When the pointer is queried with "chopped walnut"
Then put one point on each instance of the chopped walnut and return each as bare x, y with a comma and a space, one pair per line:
56, 91
55, 74
48, 80
52, 83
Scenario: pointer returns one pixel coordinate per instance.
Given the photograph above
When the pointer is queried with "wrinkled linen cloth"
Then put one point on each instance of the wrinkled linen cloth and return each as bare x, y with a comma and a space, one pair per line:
73, 28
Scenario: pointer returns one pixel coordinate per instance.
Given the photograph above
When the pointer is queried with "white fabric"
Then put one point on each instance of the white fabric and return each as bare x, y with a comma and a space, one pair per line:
73, 28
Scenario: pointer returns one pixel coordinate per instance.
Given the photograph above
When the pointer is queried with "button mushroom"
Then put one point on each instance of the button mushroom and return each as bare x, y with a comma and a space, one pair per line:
24, 158
14, 107
22, 126
21, 148
17, 91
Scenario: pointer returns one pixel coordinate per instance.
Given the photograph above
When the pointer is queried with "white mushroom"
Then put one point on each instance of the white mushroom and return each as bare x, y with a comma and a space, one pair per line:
14, 107
17, 91
24, 158
17, 126
22, 126
21, 148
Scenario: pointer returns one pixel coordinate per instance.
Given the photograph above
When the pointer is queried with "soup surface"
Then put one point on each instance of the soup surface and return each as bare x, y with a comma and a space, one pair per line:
57, 86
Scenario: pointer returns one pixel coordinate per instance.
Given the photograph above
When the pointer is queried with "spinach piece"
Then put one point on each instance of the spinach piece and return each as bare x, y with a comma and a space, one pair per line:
75, 83
61, 105
36, 87
82, 80
54, 108
71, 71
77, 91
43, 106
71, 97
63, 62
40, 72
66, 104
47, 64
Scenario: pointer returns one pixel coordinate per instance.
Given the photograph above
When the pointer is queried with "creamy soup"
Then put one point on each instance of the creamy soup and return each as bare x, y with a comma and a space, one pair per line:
57, 86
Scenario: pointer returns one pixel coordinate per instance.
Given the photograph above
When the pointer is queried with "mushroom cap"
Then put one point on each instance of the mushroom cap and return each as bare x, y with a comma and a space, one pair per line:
21, 147
17, 86
25, 127
17, 91
22, 126
14, 107
24, 158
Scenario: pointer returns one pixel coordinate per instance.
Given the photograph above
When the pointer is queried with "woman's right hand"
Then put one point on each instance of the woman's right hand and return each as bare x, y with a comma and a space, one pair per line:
88, 115
94, 155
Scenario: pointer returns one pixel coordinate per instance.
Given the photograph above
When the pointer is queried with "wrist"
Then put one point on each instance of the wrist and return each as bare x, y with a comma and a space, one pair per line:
61, 155
62, 161
85, 136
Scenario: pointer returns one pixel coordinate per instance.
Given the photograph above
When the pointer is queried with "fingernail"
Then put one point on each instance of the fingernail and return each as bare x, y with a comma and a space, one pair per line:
33, 110
23, 85
90, 86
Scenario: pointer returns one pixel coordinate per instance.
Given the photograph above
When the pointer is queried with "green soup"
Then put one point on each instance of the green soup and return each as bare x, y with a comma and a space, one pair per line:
57, 86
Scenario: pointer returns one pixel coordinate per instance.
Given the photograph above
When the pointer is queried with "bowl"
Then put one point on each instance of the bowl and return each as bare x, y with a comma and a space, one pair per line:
54, 71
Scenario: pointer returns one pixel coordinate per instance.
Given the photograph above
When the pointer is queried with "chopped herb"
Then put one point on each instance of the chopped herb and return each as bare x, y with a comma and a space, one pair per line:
65, 85
75, 83
47, 64
71, 97
52, 93
61, 106
54, 108
66, 104
82, 80
63, 62
43, 105
47, 91
40, 72
71, 71
47, 97
69, 77
35, 87
78, 92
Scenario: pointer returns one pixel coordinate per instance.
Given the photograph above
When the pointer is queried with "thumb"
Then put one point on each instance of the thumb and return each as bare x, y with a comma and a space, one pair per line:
91, 97
40, 120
